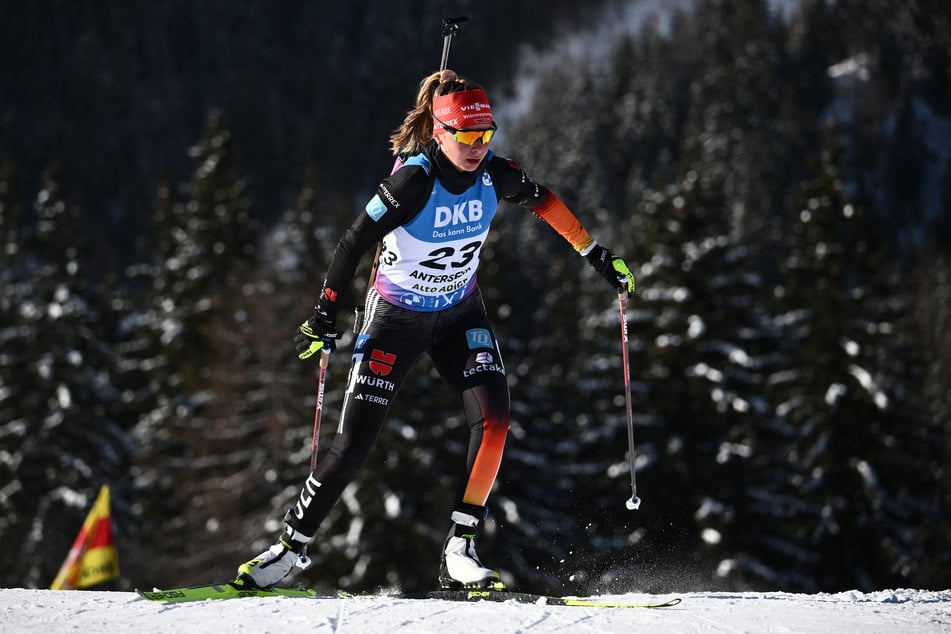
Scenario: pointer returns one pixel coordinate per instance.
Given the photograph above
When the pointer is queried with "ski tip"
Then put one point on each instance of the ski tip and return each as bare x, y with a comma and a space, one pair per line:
225, 590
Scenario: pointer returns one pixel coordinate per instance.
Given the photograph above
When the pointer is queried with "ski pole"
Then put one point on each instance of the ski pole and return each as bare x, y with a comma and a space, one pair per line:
321, 379
635, 502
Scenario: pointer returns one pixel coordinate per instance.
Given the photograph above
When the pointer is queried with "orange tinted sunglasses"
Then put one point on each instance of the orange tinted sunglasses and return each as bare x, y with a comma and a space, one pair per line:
469, 137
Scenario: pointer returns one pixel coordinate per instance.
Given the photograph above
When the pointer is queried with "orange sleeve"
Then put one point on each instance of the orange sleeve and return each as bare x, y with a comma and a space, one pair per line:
556, 214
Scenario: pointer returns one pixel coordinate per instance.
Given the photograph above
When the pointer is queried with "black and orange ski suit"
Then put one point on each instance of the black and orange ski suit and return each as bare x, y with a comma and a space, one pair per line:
431, 219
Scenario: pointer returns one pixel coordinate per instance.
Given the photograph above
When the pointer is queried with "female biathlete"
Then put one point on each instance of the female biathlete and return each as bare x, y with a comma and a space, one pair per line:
432, 215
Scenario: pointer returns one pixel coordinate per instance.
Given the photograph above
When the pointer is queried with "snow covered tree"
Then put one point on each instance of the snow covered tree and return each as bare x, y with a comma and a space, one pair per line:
63, 431
184, 321
933, 316
842, 422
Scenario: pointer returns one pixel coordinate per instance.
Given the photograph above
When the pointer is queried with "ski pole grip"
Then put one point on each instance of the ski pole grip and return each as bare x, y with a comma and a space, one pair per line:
622, 292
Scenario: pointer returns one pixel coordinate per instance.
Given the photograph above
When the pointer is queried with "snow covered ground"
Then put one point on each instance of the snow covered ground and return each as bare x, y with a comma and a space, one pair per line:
899, 611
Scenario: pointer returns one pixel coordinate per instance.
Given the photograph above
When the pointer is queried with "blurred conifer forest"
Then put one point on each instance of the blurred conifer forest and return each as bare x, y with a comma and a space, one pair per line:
174, 177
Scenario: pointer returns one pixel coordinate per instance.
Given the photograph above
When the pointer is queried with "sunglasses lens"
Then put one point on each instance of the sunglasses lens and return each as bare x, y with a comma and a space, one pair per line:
464, 136
469, 137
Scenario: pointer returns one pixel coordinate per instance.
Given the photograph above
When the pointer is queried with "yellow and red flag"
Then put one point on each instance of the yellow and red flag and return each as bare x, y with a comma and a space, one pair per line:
93, 558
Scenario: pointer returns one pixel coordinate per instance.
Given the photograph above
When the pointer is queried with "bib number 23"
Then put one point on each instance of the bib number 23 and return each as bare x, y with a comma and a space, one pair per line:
455, 258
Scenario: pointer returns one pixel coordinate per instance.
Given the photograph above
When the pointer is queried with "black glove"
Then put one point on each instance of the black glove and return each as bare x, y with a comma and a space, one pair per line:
613, 268
316, 334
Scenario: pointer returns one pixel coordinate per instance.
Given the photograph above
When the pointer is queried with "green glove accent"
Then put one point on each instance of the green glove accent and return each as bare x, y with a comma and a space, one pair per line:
312, 347
313, 336
612, 268
623, 271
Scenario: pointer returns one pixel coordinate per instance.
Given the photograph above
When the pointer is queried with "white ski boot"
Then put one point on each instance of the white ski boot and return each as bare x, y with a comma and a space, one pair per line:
460, 566
274, 563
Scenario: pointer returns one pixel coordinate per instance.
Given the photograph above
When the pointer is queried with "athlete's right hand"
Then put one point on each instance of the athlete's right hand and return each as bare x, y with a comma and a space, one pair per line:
316, 334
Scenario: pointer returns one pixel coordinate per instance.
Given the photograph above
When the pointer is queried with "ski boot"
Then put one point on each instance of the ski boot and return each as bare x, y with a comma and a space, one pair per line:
461, 567
276, 562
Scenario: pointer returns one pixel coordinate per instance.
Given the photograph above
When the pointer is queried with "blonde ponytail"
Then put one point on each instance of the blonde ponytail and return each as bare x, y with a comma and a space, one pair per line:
417, 128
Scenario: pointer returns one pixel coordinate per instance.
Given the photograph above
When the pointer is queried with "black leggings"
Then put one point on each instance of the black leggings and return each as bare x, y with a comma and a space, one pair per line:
463, 348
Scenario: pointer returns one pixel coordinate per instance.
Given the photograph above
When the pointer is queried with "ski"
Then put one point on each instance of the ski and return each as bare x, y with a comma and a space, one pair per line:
218, 591
518, 597
229, 591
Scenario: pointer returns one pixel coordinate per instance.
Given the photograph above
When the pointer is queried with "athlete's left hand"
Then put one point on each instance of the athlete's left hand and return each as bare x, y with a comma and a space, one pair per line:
614, 269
